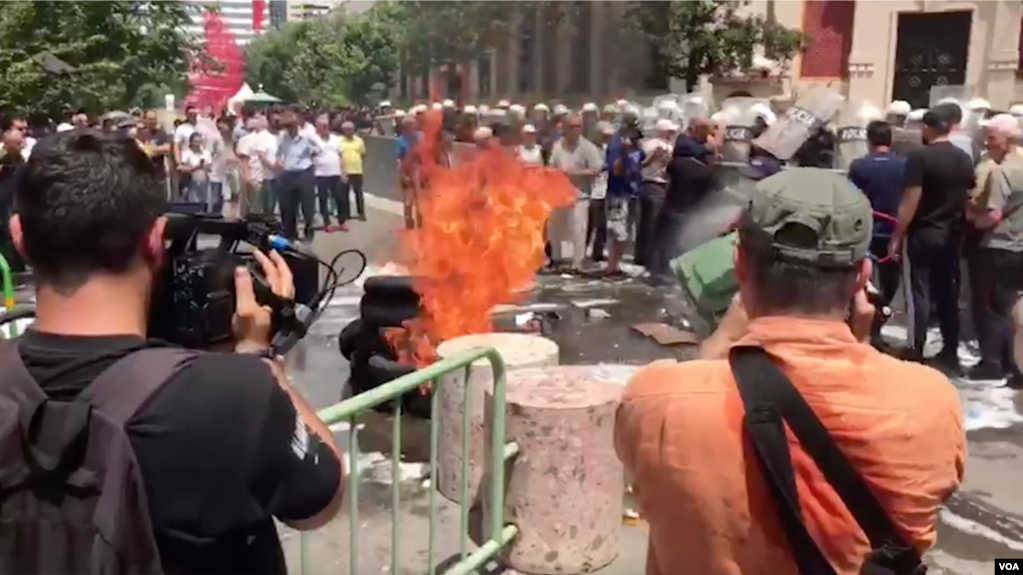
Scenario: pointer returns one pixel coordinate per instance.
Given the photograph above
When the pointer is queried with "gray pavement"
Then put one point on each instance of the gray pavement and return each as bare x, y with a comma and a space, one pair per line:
983, 521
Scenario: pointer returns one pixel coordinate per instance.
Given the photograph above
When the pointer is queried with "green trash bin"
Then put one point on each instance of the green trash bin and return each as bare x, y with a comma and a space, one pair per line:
707, 275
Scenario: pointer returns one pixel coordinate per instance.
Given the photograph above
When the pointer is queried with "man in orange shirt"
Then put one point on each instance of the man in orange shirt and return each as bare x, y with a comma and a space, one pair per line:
801, 266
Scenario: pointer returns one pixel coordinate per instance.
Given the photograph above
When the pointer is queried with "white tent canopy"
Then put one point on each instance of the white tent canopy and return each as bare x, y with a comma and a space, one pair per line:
244, 93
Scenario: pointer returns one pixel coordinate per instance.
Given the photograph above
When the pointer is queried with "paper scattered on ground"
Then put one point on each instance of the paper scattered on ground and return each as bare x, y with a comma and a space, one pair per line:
986, 404
377, 468
664, 334
588, 303
508, 308
597, 313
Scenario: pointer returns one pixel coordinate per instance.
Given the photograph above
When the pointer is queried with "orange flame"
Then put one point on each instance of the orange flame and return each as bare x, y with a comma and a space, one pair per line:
480, 243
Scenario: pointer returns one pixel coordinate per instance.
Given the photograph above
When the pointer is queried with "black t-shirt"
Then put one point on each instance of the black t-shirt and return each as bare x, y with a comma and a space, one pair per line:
220, 448
161, 139
945, 175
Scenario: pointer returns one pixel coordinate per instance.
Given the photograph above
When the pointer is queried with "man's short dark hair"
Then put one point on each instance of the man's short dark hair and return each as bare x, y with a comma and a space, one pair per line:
787, 287
879, 133
86, 202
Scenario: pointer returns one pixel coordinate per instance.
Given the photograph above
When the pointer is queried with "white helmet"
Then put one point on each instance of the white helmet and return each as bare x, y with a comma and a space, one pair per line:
399, 113
869, 114
667, 105
899, 108
503, 104
979, 104
590, 107
560, 110
469, 110
385, 104
448, 104
763, 111
542, 107
916, 115
437, 106
518, 109
1016, 110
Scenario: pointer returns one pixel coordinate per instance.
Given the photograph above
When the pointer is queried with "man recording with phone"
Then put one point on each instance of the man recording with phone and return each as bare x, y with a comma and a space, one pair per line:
224, 444
801, 320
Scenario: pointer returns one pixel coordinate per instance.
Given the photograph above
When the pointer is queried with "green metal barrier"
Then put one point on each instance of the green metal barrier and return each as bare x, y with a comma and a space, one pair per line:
498, 534
8, 283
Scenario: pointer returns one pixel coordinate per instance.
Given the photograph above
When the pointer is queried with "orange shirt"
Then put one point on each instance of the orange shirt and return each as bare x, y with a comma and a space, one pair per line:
679, 434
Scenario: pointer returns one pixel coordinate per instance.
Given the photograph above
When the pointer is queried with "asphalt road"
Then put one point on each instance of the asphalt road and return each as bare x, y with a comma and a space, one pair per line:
982, 522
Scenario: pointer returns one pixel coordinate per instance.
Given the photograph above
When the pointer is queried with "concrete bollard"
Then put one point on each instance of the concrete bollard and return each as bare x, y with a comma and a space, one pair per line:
564, 490
518, 351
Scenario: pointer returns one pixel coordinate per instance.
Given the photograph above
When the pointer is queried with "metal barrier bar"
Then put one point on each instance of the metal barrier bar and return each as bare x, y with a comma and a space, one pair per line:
498, 534
8, 283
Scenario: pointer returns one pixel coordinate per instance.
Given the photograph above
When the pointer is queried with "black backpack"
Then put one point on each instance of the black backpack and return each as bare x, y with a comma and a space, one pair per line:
72, 499
771, 401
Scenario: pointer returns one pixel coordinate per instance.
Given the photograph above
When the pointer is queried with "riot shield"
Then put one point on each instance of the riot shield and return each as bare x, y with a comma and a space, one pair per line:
851, 132
812, 110
385, 125
692, 105
739, 116
970, 124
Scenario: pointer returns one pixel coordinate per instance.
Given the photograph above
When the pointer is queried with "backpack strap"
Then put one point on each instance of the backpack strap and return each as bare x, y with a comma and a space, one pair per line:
16, 383
126, 385
769, 397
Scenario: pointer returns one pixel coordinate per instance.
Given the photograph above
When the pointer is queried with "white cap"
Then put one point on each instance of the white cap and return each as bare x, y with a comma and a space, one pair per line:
528, 129
1016, 110
979, 104
622, 103
605, 128
899, 108
448, 104
503, 104
399, 113
484, 108
419, 109
667, 105
517, 109
763, 111
665, 125
483, 133
385, 104
870, 113
590, 107
560, 110
437, 106
470, 109
542, 107
916, 115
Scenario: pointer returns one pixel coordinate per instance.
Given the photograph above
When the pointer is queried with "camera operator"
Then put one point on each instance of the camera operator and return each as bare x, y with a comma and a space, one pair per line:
225, 444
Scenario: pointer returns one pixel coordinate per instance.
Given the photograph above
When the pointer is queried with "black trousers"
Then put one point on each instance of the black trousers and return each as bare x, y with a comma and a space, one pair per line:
596, 229
996, 277
328, 188
934, 280
667, 228
651, 198
887, 276
295, 190
354, 184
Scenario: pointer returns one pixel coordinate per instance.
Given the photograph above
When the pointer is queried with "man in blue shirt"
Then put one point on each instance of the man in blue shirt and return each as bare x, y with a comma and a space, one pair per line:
296, 183
881, 175
623, 162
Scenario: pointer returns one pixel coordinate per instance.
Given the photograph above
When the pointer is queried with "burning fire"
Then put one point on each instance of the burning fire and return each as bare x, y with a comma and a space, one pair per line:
481, 240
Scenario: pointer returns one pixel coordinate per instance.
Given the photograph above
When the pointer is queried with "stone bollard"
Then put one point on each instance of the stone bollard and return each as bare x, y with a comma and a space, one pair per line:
564, 490
518, 351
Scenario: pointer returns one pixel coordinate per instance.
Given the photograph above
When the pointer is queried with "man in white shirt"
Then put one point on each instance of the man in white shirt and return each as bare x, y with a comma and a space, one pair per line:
529, 151
580, 159
596, 228
328, 172
257, 150
653, 189
184, 131
29, 142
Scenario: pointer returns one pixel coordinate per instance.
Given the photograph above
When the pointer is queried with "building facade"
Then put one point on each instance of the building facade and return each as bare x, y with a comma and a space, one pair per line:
872, 52
301, 11
244, 19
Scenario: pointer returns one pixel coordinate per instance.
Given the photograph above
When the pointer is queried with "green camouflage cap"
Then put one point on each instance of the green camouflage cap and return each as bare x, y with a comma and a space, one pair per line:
826, 220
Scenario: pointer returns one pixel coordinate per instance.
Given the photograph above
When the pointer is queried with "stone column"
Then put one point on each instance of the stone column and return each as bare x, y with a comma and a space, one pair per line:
1002, 59
597, 48
565, 488
518, 351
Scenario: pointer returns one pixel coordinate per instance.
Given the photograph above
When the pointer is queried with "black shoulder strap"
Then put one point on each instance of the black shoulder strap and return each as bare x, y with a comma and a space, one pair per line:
125, 386
769, 397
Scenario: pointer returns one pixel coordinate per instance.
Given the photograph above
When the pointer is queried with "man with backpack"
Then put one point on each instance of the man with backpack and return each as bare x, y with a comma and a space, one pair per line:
792, 446
122, 455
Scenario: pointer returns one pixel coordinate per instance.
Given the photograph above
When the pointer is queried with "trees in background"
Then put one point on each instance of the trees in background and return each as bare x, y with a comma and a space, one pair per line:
699, 37
58, 56
329, 61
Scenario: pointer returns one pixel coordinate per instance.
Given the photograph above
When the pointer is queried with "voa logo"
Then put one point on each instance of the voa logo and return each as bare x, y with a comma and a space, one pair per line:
1007, 566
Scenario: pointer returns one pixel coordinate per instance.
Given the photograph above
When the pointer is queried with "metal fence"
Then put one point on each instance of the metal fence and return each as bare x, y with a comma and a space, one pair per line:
498, 534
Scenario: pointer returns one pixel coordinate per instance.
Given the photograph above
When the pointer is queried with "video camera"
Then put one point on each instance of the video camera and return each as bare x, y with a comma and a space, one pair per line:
193, 300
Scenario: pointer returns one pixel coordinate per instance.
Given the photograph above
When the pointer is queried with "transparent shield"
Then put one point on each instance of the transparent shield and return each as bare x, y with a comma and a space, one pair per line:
851, 132
812, 110
739, 117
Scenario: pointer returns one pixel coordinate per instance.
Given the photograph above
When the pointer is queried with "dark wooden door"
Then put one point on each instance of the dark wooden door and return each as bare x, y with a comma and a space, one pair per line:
932, 50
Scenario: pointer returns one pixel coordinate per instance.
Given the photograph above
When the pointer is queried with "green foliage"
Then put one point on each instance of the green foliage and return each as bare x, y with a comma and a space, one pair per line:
118, 53
710, 37
326, 61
